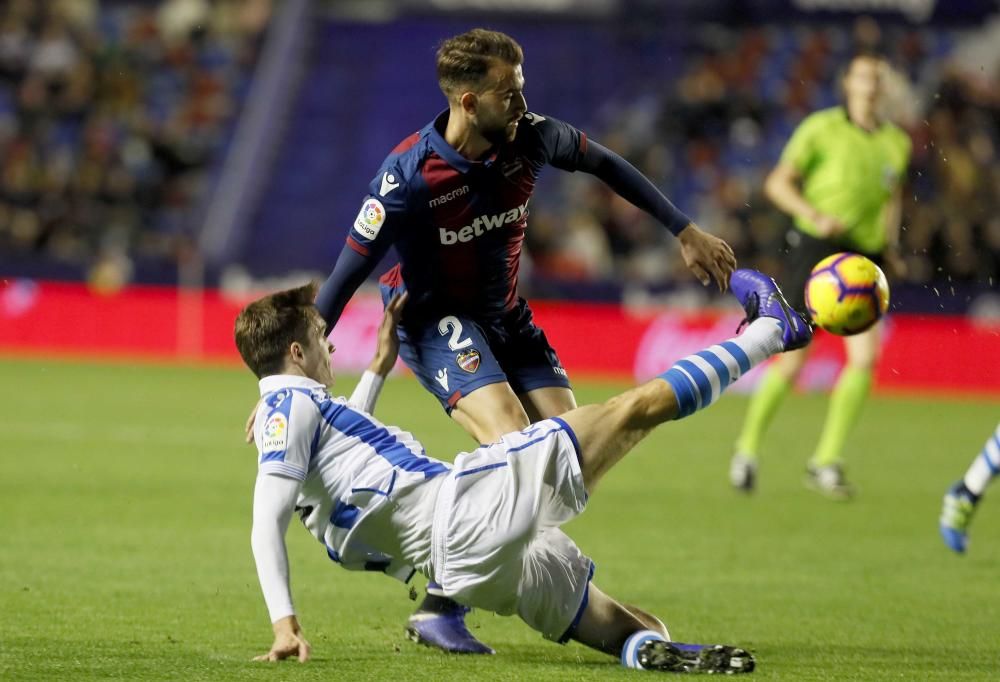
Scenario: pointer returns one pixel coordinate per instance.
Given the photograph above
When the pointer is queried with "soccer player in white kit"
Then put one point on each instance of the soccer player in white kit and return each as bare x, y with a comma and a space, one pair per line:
485, 528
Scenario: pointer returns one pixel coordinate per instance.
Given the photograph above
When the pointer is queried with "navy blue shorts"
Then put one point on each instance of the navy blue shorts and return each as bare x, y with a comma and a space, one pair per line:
453, 355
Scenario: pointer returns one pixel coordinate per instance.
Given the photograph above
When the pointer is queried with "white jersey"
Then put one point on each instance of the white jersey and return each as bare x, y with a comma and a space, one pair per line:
349, 464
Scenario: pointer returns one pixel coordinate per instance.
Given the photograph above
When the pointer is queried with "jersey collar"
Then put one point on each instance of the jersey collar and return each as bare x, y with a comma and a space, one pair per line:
847, 117
275, 382
449, 153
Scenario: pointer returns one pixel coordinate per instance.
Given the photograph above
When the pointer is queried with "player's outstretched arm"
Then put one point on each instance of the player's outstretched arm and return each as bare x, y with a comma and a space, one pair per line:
386, 351
783, 188
273, 505
708, 257
351, 269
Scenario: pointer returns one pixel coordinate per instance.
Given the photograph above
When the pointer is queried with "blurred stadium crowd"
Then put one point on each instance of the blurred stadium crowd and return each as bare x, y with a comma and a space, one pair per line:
114, 115
710, 137
111, 114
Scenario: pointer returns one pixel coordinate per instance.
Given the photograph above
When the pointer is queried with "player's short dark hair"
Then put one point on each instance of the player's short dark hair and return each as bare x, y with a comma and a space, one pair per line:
464, 60
267, 327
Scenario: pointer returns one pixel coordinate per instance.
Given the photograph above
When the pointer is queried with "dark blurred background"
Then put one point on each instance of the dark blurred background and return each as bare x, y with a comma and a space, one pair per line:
230, 143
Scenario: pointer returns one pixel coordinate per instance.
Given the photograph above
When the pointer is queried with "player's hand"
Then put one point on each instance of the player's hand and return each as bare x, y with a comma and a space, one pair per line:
707, 256
248, 427
288, 641
388, 339
828, 226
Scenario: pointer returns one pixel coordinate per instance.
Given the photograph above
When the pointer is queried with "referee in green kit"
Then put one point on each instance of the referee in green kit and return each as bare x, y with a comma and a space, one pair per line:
839, 177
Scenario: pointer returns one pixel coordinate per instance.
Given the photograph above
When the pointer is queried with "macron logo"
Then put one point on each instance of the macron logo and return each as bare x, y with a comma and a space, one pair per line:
481, 225
448, 196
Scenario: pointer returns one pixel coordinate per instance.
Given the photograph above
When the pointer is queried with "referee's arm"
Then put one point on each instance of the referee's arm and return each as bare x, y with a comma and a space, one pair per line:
782, 187
893, 219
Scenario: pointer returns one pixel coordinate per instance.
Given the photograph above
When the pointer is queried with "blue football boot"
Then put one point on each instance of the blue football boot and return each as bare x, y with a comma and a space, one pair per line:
760, 297
445, 629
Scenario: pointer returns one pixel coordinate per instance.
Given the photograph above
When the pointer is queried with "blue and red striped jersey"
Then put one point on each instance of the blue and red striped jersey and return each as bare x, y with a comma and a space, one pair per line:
458, 225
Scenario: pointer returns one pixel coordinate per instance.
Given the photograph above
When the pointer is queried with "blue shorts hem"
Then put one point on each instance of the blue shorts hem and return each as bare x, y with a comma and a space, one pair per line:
450, 401
572, 436
566, 636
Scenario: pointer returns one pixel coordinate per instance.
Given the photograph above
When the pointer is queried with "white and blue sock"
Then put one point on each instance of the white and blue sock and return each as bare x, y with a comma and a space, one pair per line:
985, 467
698, 380
630, 652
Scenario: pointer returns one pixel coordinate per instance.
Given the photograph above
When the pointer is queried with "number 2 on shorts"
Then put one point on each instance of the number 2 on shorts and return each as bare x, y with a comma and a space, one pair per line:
451, 322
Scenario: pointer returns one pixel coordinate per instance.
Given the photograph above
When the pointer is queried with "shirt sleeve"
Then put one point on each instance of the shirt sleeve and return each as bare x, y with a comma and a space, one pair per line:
383, 211
349, 272
366, 392
562, 145
284, 431
273, 504
629, 183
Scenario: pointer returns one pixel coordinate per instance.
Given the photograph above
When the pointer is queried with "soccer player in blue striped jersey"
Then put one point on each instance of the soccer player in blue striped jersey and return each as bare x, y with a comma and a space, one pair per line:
961, 499
486, 528
452, 201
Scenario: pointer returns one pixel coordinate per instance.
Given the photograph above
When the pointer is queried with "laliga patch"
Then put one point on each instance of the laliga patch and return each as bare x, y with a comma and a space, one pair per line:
370, 218
275, 434
469, 360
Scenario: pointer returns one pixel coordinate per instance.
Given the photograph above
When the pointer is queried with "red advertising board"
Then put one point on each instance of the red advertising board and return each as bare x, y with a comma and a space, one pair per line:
921, 353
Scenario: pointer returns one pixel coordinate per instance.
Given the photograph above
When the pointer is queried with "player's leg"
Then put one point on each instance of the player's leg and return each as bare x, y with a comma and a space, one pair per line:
488, 412
532, 366
547, 402
451, 358
802, 253
606, 432
961, 499
826, 473
641, 640
554, 592
778, 380
606, 624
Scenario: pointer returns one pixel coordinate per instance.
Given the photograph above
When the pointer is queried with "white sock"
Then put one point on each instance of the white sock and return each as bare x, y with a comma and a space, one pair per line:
985, 466
630, 652
698, 380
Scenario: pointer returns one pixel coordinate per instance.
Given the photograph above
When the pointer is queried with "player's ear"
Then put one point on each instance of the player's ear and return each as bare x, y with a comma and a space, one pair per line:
296, 352
469, 102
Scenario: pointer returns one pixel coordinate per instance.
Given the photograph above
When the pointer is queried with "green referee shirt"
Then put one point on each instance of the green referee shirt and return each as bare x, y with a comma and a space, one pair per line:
848, 173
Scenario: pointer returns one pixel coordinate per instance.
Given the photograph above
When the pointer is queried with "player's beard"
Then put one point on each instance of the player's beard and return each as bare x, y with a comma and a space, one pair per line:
498, 133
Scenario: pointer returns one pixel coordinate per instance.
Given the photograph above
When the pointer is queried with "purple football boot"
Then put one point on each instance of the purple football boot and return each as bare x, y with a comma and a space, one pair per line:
445, 629
760, 297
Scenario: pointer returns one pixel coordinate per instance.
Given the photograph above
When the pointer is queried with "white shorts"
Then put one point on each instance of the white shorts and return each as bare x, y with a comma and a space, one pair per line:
496, 543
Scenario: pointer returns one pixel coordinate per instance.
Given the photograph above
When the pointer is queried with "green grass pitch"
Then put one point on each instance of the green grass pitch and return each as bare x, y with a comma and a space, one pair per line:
125, 492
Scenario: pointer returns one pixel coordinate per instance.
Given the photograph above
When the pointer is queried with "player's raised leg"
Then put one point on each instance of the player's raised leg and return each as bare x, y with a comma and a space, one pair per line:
962, 498
607, 431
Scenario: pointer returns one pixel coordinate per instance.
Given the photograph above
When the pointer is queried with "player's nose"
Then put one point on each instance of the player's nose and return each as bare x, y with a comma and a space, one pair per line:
520, 105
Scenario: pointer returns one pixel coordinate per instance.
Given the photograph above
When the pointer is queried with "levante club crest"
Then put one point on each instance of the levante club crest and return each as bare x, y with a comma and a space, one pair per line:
469, 360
